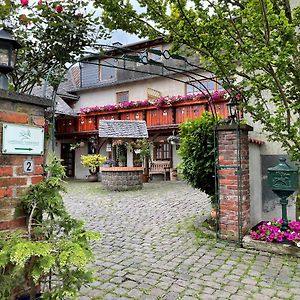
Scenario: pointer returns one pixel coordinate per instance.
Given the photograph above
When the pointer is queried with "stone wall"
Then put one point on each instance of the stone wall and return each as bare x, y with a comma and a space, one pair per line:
122, 178
228, 176
23, 110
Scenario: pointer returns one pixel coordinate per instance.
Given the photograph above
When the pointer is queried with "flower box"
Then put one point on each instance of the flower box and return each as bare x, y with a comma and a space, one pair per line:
273, 247
274, 237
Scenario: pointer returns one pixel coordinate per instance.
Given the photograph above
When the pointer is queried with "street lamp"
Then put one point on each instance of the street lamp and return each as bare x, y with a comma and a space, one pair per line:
232, 110
8, 55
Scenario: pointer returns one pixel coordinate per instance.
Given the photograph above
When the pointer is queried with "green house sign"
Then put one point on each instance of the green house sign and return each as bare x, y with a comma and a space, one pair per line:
19, 139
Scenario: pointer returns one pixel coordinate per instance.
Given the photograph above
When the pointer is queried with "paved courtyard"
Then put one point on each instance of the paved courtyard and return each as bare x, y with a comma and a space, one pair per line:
149, 249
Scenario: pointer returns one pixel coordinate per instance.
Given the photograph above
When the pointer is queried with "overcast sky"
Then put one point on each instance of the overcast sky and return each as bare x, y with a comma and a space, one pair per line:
119, 35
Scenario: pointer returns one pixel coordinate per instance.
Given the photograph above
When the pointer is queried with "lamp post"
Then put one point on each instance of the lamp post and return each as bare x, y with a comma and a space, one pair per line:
8, 55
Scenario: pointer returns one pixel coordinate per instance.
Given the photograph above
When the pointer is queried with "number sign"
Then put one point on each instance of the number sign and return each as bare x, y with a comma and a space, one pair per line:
28, 166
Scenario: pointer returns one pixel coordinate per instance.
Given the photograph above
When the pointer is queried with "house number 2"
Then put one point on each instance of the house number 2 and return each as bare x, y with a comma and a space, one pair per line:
28, 166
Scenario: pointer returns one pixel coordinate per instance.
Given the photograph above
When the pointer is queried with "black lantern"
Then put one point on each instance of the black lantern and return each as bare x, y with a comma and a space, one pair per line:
8, 54
232, 110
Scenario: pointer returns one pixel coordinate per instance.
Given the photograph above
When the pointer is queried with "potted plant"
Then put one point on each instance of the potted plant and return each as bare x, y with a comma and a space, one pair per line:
51, 256
122, 160
92, 162
173, 139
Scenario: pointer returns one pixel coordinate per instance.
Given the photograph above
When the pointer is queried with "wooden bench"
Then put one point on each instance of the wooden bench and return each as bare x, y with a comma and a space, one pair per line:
160, 167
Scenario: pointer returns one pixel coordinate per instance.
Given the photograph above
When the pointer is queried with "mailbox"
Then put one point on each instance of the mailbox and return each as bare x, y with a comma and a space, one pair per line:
283, 178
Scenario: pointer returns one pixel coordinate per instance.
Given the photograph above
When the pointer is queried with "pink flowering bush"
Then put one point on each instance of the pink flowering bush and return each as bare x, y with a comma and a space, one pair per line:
272, 232
159, 102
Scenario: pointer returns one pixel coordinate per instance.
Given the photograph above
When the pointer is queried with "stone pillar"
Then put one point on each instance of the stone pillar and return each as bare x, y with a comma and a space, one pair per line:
228, 176
18, 109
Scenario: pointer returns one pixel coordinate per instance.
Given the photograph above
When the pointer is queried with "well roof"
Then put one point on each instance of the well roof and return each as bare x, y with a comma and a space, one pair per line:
123, 129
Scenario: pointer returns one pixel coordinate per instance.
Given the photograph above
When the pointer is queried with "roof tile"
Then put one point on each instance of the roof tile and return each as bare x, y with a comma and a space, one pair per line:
123, 129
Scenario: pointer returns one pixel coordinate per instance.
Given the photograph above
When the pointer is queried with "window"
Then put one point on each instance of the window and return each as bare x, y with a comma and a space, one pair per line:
153, 94
122, 96
162, 151
107, 70
196, 87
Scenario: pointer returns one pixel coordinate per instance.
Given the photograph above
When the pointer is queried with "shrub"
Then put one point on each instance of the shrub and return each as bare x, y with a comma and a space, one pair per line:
54, 251
197, 152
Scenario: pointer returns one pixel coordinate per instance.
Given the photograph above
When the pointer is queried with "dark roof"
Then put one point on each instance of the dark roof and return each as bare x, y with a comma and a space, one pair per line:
123, 129
71, 81
61, 106
111, 51
143, 77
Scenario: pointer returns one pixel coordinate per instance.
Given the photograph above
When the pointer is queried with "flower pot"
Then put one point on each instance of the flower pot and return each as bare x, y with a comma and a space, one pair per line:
92, 178
145, 178
213, 213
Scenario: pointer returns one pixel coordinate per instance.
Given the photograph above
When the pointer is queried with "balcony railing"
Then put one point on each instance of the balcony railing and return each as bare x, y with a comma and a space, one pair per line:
154, 117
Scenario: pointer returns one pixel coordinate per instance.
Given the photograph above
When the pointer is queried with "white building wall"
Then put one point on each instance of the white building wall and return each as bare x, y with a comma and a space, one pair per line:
255, 184
80, 171
137, 91
176, 158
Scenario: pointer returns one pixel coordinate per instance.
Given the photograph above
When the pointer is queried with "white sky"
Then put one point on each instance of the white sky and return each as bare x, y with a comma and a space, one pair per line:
119, 35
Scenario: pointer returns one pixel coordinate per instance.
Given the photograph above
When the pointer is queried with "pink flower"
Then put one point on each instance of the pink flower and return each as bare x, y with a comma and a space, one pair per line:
24, 3
40, 2
159, 102
272, 231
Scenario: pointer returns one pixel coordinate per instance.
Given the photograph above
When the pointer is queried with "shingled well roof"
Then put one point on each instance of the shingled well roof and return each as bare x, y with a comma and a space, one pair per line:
123, 129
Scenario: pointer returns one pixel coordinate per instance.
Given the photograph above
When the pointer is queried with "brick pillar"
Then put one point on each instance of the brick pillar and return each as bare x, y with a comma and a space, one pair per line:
22, 110
228, 175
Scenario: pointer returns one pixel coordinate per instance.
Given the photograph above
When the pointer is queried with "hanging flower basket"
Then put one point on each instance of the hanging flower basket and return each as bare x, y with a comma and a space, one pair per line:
174, 140
118, 143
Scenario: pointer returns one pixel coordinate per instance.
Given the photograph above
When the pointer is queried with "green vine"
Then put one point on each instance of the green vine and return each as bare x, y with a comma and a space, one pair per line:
54, 250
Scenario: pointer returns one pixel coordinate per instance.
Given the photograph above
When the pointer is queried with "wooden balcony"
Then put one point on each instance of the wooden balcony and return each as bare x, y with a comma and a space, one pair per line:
156, 118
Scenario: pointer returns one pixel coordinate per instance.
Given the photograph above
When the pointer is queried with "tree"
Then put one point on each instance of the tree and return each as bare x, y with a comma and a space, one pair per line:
52, 34
197, 153
251, 45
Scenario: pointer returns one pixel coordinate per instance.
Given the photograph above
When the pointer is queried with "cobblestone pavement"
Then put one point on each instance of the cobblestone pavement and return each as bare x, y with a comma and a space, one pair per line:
148, 249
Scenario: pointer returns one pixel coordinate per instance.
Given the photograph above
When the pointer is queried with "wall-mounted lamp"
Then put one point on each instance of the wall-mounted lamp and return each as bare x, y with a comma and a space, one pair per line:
8, 56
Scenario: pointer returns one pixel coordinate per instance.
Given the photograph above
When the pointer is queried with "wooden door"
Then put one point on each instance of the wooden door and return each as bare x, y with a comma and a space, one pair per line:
68, 159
